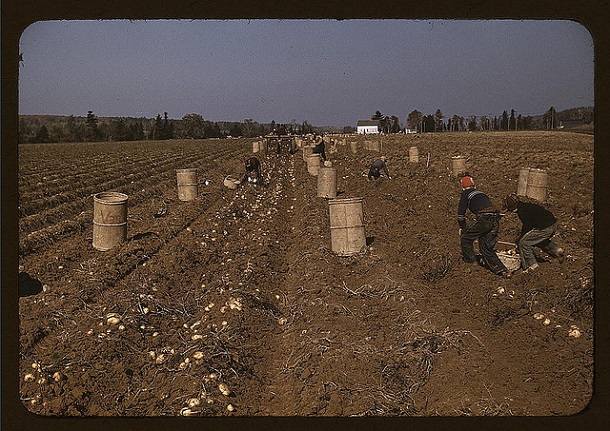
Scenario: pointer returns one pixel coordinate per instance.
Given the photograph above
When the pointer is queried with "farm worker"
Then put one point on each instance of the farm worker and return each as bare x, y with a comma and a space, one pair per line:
253, 171
538, 226
319, 148
377, 166
484, 228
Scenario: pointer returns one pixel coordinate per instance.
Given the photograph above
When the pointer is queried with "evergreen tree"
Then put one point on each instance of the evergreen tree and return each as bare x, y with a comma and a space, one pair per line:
512, 123
42, 136
438, 121
504, 121
92, 129
550, 118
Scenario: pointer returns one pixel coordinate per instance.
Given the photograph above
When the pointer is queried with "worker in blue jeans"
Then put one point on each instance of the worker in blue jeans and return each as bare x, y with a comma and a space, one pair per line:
484, 228
538, 226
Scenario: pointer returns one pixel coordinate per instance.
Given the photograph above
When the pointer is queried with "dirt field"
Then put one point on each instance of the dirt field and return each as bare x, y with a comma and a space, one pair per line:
234, 304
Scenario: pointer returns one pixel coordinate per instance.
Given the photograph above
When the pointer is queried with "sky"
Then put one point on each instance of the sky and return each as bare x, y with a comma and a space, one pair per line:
325, 72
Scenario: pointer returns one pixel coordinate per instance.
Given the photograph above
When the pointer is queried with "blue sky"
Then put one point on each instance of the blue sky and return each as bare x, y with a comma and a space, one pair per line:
326, 72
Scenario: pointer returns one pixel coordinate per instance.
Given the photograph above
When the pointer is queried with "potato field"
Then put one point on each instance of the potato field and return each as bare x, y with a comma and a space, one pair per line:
234, 304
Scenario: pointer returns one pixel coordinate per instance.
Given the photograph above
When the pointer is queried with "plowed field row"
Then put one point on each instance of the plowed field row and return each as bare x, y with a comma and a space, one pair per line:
69, 211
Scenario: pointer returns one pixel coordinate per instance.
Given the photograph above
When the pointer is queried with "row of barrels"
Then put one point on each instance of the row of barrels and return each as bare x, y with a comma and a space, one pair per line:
346, 216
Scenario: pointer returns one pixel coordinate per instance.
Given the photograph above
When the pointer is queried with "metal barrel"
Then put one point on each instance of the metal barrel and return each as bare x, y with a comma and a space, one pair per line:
109, 220
187, 184
327, 182
347, 234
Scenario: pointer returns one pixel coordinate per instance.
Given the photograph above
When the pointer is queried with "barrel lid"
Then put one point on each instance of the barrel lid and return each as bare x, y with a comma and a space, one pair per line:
110, 197
344, 200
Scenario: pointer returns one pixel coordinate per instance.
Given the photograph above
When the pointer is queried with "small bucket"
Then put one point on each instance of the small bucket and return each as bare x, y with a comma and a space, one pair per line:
313, 164
109, 220
458, 165
347, 226
231, 182
537, 184
327, 182
187, 184
413, 155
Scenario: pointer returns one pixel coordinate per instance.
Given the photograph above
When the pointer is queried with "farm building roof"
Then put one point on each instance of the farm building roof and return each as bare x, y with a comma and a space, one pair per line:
368, 123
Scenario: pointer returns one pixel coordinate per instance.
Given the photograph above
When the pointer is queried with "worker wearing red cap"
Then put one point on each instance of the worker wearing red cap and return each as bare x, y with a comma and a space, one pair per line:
484, 228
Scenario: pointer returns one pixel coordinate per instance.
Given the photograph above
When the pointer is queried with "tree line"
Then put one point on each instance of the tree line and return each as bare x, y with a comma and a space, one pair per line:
52, 129
551, 119
47, 128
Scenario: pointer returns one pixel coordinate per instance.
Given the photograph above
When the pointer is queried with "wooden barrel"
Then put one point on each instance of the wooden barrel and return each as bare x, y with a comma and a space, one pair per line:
256, 146
376, 145
313, 164
413, 155
109, 220
458, 165
353, 145
307, 151
347, 234
327, 182
187, 184
522, 182
537, 184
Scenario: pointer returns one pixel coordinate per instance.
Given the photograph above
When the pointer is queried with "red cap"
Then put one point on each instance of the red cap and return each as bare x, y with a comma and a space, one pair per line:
467, 181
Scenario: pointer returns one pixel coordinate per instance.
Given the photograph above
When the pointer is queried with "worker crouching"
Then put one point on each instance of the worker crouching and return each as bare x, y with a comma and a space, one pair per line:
538, 227
484, 228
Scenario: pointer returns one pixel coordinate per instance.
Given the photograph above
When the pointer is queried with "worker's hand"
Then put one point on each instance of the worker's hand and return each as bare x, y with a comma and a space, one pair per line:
460, 232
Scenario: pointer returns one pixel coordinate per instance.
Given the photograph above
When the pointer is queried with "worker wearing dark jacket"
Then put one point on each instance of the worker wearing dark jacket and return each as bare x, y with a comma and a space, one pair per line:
319, 148
376, 167
538, 226
484, 228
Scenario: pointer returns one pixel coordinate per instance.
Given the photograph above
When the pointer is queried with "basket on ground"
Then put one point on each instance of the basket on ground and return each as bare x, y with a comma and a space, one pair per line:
231, 182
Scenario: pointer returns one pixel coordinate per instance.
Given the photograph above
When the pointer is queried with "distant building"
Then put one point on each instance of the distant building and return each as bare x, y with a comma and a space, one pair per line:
367, 126
566, 124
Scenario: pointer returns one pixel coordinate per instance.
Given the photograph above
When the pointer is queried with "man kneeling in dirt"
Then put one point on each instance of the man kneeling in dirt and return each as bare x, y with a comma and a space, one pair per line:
253, 171
376, 167
539, 225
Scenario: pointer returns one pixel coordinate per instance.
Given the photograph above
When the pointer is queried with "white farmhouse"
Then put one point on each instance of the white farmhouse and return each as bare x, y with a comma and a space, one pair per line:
367, 126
